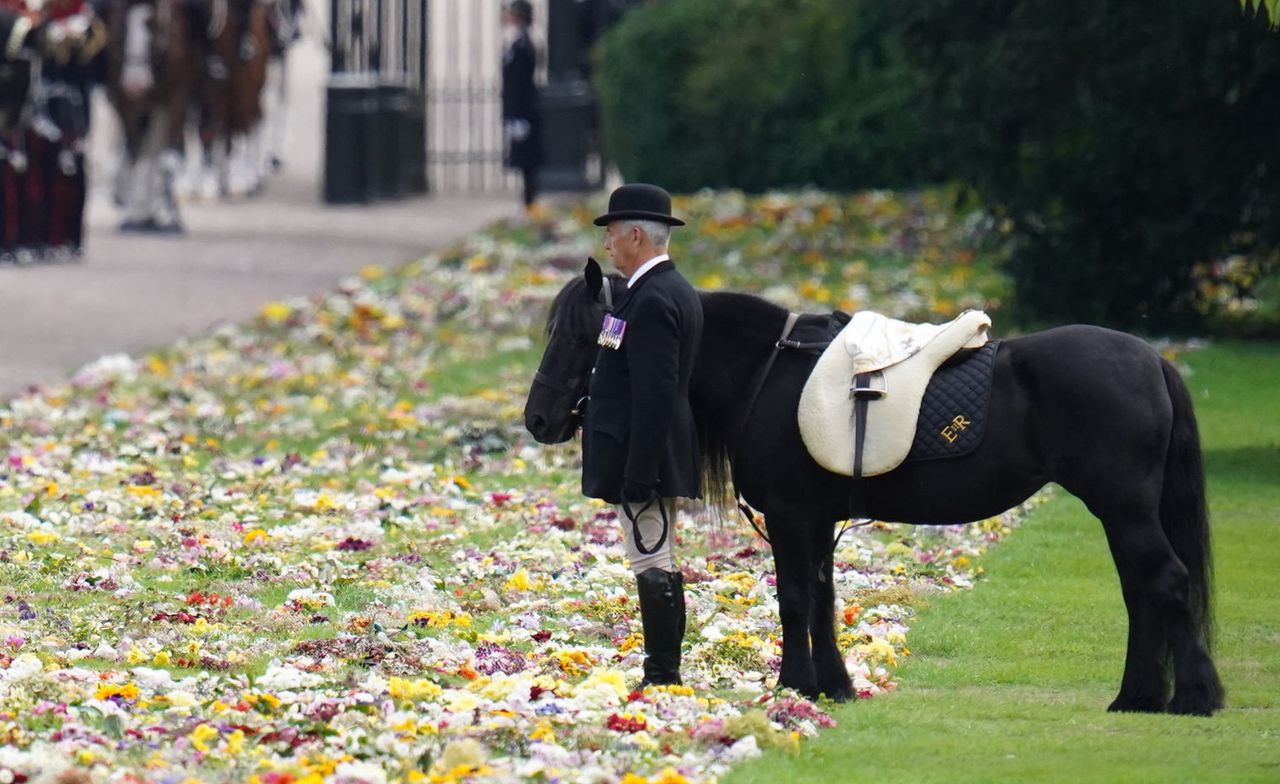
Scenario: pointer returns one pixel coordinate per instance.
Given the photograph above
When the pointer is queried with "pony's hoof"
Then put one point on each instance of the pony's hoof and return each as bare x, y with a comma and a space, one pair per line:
1124, 704
1199, 703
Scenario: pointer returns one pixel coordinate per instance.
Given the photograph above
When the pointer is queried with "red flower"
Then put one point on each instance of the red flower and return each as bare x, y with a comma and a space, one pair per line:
619, 723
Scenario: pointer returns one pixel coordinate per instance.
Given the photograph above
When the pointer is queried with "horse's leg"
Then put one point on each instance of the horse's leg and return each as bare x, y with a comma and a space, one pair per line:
832, 675
1150, 577
140, 162
794, 565
276, 114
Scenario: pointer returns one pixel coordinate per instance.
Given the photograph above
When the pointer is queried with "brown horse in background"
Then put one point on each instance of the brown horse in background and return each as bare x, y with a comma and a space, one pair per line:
229, 98
151, 66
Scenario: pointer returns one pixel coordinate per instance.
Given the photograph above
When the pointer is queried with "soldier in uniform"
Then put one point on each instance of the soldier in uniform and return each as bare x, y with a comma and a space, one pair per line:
74, 39
20, 36
43, 183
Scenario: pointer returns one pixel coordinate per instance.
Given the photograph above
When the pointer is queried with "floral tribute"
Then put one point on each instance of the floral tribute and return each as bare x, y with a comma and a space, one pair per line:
319, 547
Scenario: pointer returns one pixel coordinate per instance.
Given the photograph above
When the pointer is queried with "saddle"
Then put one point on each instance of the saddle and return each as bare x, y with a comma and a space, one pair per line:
859, 409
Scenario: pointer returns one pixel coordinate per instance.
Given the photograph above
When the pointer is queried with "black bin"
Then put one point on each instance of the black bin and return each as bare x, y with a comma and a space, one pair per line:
573, 158
350, 128
413, 170
389, 138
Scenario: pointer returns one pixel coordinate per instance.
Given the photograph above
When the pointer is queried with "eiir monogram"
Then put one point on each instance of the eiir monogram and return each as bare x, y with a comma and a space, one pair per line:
952, 431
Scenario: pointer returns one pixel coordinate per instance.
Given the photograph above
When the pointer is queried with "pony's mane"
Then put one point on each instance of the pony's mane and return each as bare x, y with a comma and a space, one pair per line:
741, 315
574, 305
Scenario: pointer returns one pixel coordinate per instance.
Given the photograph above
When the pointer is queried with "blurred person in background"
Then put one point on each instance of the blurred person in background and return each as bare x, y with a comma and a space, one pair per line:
52, 53
521, 125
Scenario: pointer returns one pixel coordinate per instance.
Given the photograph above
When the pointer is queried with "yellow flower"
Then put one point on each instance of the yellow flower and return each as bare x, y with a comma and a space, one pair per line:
670, 776
235, 742
371, 272
157, 365
415, 689
256, 535
106, 691
519, 581
161, 658
201, 736
276, 312
632, 778
42, 538
543, 732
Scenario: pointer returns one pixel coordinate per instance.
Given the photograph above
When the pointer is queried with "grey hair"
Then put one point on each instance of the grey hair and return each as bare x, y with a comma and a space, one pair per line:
659, 234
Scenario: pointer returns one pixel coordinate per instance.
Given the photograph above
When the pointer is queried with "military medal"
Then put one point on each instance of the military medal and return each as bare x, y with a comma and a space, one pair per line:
611, 332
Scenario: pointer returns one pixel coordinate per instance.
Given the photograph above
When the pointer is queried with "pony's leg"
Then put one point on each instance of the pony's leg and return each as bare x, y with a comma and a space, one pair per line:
1154, 583
1162, 629
794, 565
1197, 689
832, 675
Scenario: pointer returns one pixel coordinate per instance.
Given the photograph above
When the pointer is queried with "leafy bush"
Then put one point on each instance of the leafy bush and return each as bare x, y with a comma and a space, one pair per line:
759, 94
1127, 143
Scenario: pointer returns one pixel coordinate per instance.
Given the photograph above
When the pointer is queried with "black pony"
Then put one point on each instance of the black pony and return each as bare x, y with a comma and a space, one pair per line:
1099, 412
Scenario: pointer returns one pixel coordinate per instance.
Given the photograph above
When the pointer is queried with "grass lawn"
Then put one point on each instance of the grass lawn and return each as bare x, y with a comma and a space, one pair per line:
1010, 681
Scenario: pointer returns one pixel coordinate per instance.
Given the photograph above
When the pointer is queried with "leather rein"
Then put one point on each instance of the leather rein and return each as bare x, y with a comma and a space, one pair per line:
784, 342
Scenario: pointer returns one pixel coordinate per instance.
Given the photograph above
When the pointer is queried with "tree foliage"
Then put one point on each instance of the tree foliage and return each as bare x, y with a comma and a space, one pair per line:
739, 93
1126, 144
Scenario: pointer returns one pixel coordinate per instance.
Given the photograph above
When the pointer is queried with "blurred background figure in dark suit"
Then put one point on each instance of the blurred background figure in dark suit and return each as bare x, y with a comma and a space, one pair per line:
521, 125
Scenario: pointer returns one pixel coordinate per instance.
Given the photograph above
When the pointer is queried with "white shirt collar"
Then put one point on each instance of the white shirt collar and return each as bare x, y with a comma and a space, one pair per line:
643, 268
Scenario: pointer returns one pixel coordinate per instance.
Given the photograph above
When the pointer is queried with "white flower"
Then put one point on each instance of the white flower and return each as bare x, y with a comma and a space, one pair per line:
112, 367
279, 678
744, 749
153, 679
25, 667
363, 772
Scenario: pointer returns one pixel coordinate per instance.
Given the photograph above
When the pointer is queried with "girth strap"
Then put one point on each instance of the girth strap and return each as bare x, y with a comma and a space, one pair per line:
862, 394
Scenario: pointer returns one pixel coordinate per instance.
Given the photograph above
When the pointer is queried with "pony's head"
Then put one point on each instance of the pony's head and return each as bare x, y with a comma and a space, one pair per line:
554, 408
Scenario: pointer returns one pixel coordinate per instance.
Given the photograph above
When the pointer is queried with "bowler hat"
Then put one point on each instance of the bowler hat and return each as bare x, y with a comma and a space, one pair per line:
639, 201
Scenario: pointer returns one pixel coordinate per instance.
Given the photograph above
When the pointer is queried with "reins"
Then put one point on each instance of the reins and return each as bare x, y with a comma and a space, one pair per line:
784, 342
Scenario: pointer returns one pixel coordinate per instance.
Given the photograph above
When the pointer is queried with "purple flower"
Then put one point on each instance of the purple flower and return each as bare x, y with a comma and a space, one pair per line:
491, 658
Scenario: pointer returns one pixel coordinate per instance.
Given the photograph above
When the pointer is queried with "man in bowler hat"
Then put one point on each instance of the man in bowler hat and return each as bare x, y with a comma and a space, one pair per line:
639, 445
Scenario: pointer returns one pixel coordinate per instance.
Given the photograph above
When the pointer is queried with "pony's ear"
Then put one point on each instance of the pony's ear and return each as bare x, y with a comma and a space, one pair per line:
594, 276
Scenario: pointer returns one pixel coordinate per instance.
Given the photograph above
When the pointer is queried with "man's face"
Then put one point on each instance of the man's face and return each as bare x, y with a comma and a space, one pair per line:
621, 245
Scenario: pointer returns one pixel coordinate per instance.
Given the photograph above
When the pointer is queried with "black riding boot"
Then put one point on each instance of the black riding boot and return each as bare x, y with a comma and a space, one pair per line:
662, 615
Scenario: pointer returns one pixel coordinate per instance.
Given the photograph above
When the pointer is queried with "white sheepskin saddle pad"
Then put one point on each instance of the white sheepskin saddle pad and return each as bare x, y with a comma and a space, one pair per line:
902, 356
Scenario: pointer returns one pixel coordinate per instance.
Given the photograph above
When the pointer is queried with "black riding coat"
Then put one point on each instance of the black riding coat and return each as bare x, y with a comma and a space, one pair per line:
639, 424
520, 101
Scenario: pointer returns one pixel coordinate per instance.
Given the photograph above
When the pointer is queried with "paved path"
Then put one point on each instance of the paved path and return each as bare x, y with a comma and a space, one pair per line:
133, 293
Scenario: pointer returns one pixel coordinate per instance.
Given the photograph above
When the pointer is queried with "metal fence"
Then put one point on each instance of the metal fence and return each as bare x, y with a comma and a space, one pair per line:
464, 95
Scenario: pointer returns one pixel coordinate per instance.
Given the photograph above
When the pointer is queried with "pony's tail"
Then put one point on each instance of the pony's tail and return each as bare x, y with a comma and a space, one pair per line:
1184, 515
717, 474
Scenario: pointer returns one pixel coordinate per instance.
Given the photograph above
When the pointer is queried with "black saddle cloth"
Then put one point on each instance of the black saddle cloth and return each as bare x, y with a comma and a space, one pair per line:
953, 415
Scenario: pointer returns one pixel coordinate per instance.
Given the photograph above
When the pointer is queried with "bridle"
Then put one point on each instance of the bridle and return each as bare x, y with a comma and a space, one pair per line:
568, 389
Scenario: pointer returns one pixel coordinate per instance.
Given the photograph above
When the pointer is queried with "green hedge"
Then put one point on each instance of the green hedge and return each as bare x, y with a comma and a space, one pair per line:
760, 94
1127, 144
